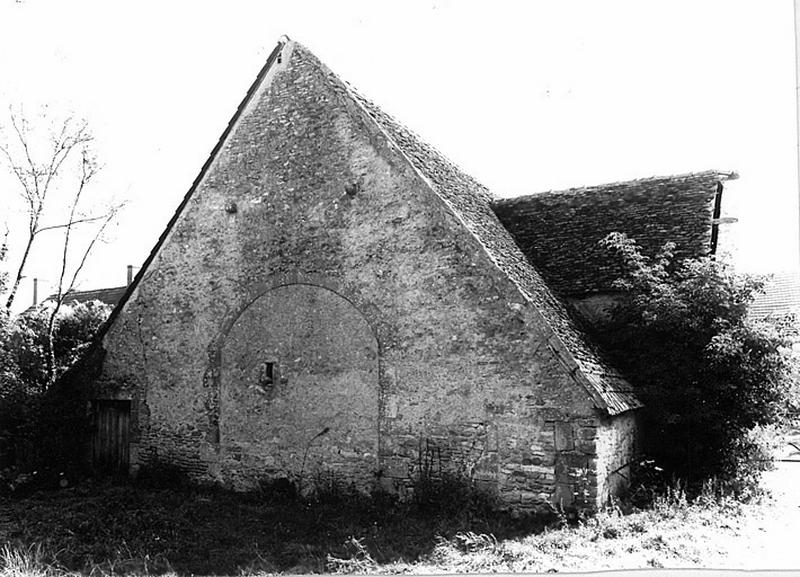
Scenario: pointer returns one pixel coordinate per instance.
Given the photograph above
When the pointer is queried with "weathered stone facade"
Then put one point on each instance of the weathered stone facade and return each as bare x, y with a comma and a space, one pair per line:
315, 307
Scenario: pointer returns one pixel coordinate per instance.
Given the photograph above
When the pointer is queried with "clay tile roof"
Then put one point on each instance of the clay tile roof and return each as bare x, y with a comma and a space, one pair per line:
471, 202
781, 296
559, 230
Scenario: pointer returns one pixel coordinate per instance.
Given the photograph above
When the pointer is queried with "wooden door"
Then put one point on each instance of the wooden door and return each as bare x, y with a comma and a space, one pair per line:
110, 447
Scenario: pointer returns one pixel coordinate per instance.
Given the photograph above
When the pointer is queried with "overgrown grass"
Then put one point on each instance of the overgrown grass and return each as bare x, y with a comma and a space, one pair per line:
145, 529
673, 533
31, 561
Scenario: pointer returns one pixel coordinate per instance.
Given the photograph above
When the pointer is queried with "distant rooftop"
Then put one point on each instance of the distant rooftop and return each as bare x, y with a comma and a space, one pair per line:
781, 296
109, 296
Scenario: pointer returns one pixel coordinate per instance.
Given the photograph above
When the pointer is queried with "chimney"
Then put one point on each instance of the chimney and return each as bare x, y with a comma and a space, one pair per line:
130, 274
35, 291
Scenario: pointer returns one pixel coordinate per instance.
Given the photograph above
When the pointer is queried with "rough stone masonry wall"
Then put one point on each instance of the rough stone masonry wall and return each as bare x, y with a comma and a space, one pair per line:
423, 356
618, 445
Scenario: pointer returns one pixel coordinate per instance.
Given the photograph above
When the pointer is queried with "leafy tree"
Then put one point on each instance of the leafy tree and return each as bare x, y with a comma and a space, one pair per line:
24, 372
707, 373
11, 392
73, 328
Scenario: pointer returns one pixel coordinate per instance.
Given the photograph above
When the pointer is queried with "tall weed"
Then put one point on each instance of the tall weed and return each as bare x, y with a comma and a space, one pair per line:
32, 561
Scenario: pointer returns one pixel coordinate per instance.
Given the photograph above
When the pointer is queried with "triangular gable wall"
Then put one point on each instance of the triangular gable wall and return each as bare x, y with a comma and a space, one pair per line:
469, 202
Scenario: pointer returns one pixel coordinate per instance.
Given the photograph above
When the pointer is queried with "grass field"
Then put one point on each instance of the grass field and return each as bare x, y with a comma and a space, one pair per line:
105, 528
129, 528
124, 529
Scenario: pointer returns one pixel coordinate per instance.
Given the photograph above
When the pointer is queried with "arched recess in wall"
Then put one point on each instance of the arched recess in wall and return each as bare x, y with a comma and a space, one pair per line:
299, 388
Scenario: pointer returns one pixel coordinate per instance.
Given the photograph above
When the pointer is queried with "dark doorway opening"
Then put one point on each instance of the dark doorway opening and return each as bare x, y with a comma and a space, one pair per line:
110, 442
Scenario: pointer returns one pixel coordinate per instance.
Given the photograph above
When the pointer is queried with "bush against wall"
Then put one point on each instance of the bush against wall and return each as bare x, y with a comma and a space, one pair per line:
707, 372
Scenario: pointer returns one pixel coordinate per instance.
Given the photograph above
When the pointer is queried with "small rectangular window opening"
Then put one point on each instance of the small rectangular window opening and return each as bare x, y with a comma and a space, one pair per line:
266, 375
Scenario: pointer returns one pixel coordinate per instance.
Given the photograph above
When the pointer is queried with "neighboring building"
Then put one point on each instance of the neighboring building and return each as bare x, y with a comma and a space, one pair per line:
110, 296
781, 296
333, 296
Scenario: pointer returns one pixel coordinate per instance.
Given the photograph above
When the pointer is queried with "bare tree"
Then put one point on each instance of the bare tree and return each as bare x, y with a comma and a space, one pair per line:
43, 173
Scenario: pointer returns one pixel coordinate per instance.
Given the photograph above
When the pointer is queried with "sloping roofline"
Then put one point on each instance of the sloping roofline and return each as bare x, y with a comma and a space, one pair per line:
605, 386
274, 55
469, 201
618, 184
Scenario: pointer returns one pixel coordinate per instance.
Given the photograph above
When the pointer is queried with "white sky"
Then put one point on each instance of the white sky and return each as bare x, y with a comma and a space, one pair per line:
525, 95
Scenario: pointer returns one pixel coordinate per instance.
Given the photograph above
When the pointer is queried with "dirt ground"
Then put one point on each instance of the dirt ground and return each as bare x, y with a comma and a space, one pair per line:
770, 537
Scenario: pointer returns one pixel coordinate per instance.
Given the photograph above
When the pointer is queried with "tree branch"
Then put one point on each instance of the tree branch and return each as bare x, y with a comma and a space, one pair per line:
36, 180
61, 295
73, 223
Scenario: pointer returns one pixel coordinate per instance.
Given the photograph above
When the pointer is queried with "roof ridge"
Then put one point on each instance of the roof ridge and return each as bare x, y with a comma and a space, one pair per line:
717, 175
106, 288
75, 293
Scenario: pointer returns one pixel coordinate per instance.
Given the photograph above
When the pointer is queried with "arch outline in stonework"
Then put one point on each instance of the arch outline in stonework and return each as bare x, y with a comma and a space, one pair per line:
367, 311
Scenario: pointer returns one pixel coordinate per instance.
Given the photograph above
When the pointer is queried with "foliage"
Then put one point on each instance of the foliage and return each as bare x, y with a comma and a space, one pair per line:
74, 326
358, 560
10, 385
439, 487
31, 561
706, 371
162, 475
23, 371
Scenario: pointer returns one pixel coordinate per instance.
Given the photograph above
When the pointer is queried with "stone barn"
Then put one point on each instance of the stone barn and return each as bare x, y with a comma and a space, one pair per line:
334, 297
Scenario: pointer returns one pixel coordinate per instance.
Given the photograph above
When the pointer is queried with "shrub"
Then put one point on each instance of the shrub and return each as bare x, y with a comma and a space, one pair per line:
74, 327
706, 371
25, 420
447, 489
358, 559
